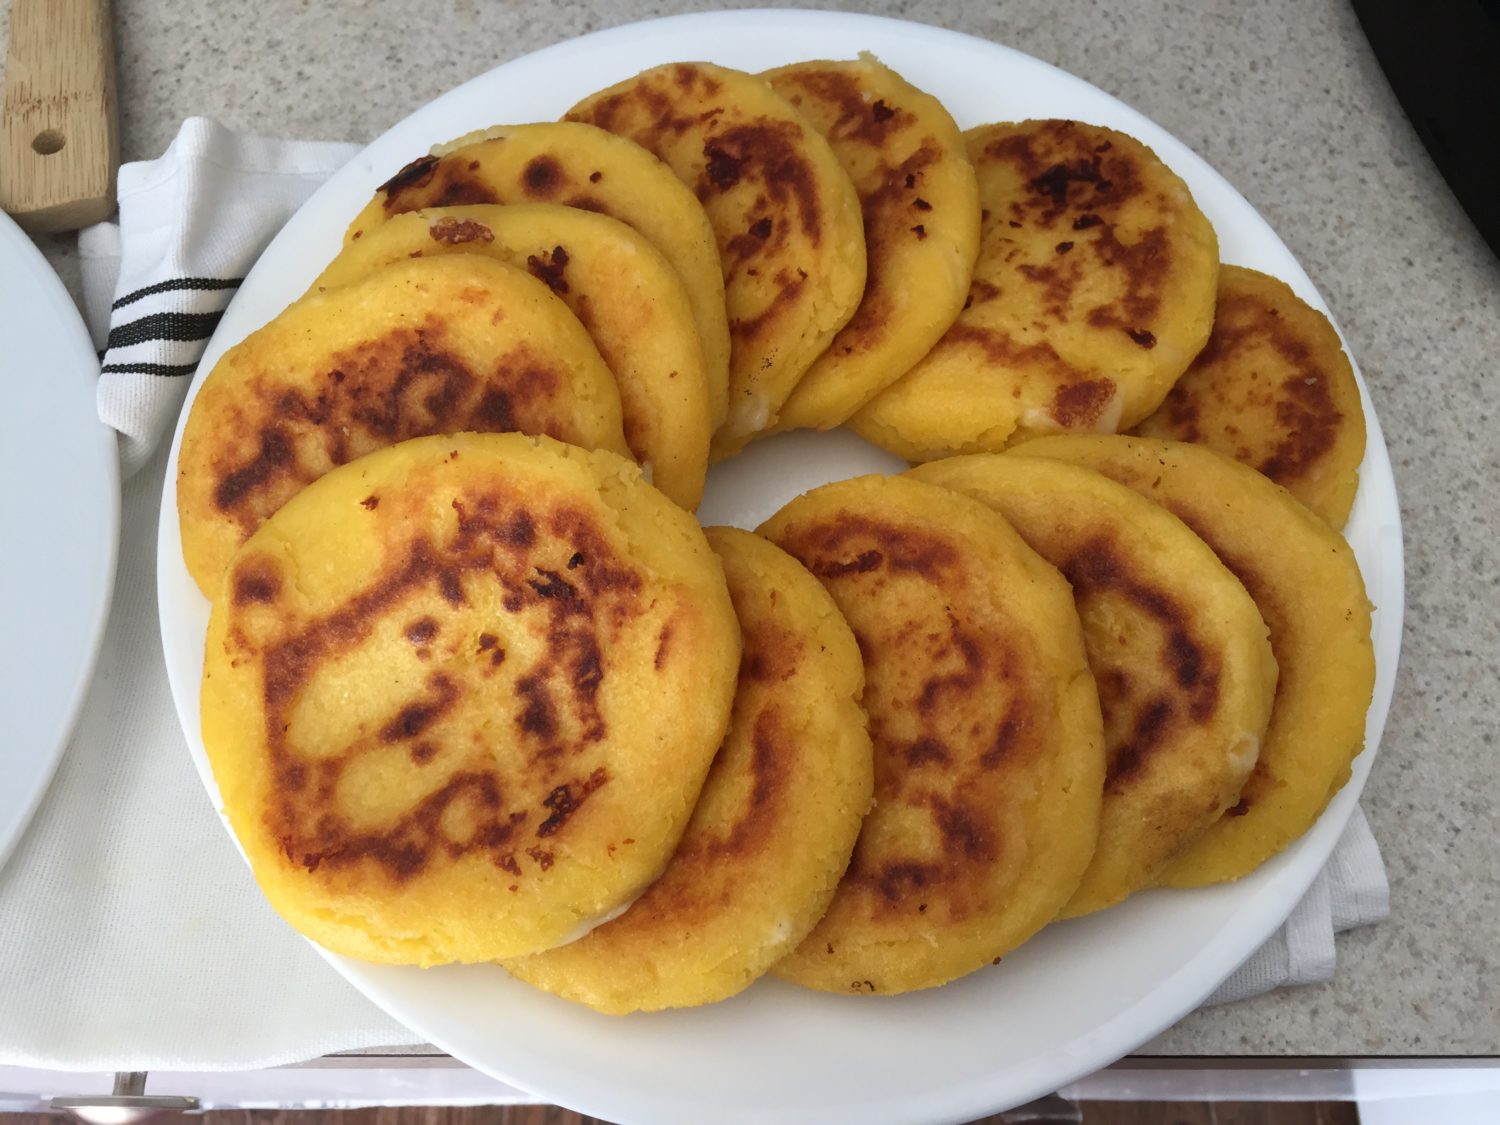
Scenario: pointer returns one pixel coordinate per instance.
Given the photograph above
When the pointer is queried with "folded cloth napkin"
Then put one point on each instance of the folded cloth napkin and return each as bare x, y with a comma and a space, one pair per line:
1350, 891
133, 935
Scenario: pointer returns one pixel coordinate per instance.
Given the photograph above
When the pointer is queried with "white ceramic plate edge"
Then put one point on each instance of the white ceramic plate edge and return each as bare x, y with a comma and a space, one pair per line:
1269, 896
26, 781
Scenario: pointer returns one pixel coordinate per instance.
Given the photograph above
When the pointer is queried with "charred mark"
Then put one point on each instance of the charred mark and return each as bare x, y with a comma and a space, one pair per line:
454, 231
537, 716
1081, 405
406, 848
550, 268
562, 802
496, 412
788, 291
896, 881
1056, 180
1151, 725
422, 630
770, 153
256, 581
963, 833
553, 586
415, 718
1007, 737
863, 563
543, 177
928, 751
456, 190
823, 548
961, 682
274, 458
722, 169
415, 174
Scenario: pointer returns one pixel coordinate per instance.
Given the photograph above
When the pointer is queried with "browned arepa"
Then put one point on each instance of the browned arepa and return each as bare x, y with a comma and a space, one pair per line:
1274, 390
786, 216
774, 825
460, 695
1178, 650
619, 286
989, 748
579, 166
1093, 291
420, 347
907, 159
1307, 586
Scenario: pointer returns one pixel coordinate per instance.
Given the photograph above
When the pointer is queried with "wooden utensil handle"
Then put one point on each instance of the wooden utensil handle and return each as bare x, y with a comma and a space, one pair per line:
59, 138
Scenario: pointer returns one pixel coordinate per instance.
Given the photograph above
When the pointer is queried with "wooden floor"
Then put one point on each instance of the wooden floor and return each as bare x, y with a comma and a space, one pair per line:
1094, 1113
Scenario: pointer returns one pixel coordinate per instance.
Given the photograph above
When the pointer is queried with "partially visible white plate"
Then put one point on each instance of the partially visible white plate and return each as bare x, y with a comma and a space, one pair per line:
1074, 999
59, 519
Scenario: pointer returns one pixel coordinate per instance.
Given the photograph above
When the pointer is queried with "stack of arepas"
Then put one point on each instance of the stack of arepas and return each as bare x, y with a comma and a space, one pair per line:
478, 687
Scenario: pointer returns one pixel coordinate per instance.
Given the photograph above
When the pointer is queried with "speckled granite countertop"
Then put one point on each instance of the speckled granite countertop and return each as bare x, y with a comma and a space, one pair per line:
1285, 99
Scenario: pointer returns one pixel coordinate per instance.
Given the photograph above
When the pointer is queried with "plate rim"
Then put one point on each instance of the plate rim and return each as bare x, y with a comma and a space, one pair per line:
72, 337
1194, 981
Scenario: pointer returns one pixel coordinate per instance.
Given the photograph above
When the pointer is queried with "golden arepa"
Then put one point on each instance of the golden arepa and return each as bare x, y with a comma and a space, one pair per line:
1176, 645
1093, 291
624, 292
787, 219
583, 167
776, 820
420, 347
459, 696
1307, 586
989, 750
1274, 390
921, 213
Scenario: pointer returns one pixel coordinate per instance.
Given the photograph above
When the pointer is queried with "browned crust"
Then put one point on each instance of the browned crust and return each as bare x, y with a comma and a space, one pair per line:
945, 762
401, 385
1099, 568
1302, 415
554, 703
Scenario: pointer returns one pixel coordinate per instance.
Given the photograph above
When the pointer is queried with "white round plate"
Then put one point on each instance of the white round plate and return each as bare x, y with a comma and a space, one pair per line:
1077, 997
60, 508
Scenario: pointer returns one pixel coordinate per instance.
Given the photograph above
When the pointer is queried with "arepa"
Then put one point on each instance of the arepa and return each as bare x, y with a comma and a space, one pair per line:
460, 695
989, 748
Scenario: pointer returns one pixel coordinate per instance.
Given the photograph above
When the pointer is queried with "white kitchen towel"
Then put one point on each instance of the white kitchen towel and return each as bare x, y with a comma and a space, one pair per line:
1350, 891
131, 934
191, 224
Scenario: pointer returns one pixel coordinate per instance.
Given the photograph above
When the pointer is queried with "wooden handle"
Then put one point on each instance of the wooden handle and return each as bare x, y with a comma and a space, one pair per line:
59, 137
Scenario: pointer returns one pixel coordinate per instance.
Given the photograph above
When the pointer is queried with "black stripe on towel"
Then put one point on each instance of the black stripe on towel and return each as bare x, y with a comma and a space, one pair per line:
164, 326
149, 368
179, 283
